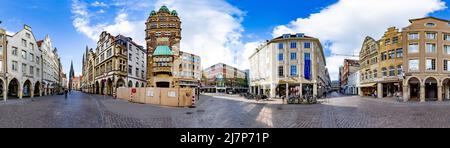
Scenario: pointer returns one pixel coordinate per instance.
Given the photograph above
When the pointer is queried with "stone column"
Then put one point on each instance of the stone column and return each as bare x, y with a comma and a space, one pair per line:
20, 91
360, 93
422, 93
380, 90
439, 97
40, 91
301, 90
287, 90
273, 92
31, 92
5, 91
406, 93
446, 91
315, 89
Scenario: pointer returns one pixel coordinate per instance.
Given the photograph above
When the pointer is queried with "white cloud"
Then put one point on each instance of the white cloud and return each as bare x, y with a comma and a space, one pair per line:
346, 23
121, 25
211, 29
101, 11
99, 4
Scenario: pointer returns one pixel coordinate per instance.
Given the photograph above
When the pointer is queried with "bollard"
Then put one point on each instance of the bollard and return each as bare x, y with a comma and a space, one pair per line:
193, 102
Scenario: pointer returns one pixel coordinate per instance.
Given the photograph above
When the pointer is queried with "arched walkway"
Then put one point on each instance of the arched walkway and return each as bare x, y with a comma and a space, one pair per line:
27, 89
431, 87
97, 88
2, 84
37, 89
120, 83
130, 84
137, 85
13, 89
414, 89
446, 88
102, 87
109, 86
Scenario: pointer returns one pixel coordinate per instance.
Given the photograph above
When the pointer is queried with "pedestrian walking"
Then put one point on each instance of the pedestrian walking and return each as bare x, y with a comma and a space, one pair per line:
65, 94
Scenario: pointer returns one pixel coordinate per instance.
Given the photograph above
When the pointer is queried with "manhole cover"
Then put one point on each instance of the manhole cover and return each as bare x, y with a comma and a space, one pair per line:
200, 111
189, 113
279, 108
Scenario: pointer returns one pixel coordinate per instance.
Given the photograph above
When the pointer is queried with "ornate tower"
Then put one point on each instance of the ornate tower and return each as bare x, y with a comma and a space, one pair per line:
163, 32
71, 75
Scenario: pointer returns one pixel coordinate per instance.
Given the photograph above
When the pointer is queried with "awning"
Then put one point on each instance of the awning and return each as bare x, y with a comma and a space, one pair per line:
368, 85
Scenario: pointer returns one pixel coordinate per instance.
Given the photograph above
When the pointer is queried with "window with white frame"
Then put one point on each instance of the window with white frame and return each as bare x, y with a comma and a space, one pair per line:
447, 49
31, 70
24, 43
384, 71
391, 71
24, 54
14, 51
431, 36
14, 66
413, 36
399, 70
446, 64
399, 53
431, 48
24, 68
447, 37
413, 48
413, 65
431, 64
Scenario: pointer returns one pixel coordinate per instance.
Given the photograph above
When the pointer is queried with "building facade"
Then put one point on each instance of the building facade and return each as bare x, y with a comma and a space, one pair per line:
390, 64
222, 78
21, 64
289, 64
427, 54
76, 83
165, 64
190, 70
349, 67
382, 65
335, 86
117, 62
87, 81
137, 63
351, 88
50, 66
368, 67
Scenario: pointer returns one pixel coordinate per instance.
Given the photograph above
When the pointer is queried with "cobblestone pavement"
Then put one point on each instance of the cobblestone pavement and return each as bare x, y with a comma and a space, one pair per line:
92, 111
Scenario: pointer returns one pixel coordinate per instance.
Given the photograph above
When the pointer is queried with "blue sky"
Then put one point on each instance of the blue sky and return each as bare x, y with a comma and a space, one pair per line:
230, 27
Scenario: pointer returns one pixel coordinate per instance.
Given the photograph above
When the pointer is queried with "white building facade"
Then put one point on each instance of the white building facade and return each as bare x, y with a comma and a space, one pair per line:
24, 65
50, 66
137, 63
290, 64
352, 85
190, 70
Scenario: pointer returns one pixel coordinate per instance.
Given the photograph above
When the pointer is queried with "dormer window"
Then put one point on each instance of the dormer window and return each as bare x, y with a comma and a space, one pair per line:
286, 36
300, 35
430, 24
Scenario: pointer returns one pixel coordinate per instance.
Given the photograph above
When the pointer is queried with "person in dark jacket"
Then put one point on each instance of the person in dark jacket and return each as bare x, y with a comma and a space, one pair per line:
65, 93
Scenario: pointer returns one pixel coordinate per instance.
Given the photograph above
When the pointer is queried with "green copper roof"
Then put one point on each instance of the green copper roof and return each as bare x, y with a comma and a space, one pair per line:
162, 50
153, 13
174, 13
164, 9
